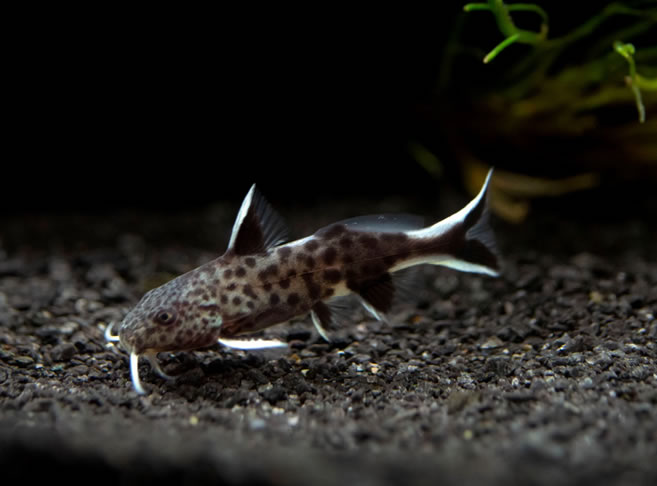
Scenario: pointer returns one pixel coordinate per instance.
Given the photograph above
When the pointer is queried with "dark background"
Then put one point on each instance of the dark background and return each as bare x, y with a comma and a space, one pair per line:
173, 109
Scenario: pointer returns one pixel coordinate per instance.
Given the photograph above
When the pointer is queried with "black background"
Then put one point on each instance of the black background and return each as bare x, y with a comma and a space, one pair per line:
175, 108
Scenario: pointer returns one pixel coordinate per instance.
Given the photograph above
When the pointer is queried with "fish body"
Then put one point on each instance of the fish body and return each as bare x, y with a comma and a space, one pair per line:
262, 281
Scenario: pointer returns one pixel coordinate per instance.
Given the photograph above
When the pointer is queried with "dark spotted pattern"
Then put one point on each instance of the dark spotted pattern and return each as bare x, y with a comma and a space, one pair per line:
248, 291
329, 255
313, 288
309, 261
245, 291
311, 245
269, 273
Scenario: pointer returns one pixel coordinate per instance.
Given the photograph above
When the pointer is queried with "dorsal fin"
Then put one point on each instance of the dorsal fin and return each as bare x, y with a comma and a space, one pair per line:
257, 226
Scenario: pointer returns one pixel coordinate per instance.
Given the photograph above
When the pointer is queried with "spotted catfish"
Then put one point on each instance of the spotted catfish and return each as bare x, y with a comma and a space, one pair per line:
260, 281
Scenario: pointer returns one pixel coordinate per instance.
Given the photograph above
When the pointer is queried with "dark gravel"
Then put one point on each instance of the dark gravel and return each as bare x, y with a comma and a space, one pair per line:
546, 374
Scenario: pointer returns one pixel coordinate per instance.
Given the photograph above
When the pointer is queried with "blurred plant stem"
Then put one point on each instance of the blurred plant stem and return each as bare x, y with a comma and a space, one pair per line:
507, 27
557, 117
635, 81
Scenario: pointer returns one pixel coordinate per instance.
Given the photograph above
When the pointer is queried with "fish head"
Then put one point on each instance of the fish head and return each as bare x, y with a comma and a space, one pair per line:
170, 318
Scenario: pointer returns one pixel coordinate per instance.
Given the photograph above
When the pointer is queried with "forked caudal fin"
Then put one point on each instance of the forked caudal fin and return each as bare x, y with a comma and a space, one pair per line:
465, 241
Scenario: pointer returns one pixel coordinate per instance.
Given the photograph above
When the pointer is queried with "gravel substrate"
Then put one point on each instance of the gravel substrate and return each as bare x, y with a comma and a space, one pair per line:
546, 374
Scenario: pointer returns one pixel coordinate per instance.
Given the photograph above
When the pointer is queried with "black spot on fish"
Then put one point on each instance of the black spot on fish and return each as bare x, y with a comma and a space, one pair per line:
314, 290
333, 231
274, 299
270, 272
228, 273
267, 287
240, 271
285, 283
284, 251
250, 262
232, 286
345, 242
237, 300
329, 255
223, 299
293, 299
248, 291
311, 245
250, 305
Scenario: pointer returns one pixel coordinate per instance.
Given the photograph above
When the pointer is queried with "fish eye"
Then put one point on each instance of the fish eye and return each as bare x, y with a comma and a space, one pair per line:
165, 317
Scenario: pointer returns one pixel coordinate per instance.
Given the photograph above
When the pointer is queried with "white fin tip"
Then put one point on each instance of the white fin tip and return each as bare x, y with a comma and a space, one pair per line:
319, 327
373, 312
134, 373
109, 337
247, 344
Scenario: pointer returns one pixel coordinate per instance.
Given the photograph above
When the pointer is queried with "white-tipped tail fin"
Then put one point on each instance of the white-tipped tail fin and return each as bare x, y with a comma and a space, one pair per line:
464, 241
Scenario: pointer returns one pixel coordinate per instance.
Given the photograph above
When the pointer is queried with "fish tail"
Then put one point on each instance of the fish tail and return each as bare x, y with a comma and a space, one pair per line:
465, 240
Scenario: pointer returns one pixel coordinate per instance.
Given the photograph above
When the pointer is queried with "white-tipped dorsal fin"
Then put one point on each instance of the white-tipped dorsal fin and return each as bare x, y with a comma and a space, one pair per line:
257, 226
